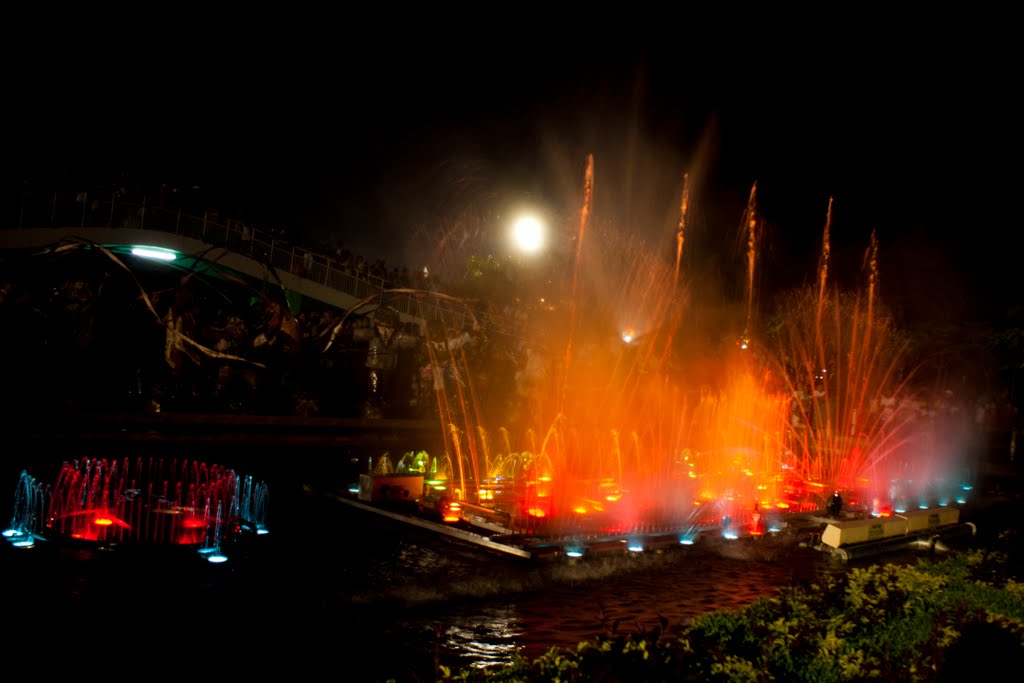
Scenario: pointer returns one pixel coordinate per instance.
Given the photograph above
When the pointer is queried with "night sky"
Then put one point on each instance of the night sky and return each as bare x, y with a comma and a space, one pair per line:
355, 134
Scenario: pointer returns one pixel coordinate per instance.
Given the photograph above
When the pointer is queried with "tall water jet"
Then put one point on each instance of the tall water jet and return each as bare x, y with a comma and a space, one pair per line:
857, 424
753, 236
588, 195
684, 209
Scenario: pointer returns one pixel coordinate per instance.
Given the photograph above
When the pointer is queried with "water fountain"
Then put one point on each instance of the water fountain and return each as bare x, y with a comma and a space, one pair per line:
631, 435
139, 503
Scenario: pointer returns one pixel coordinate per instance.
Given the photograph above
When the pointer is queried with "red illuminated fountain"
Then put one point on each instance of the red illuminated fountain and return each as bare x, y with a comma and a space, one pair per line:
145, 502
626, 431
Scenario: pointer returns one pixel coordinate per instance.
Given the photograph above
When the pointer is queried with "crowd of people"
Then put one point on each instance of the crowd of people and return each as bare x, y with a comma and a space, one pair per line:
83, 334
192, 347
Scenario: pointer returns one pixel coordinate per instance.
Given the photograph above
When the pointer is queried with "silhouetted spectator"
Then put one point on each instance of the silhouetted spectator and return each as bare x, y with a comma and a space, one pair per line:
835, 505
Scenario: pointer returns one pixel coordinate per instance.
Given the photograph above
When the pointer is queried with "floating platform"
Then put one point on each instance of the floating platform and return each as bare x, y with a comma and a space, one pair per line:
387, 496
926, 529
915, 528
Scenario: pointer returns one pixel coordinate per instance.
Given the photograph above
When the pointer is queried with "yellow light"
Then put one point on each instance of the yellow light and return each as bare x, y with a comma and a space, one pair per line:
528, 234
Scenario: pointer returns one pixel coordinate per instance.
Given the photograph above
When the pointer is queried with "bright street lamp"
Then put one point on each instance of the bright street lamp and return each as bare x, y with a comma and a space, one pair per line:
528, 234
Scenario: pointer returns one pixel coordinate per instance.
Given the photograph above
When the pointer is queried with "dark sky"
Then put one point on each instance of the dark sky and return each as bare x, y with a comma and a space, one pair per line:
370, 137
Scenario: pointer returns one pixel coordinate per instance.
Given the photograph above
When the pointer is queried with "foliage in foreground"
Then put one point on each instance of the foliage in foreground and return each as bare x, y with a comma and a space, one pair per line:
931, 622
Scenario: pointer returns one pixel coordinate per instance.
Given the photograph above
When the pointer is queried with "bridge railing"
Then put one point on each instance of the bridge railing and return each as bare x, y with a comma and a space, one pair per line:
87, 211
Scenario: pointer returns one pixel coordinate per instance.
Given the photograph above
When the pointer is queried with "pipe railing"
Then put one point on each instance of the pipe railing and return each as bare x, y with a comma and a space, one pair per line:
259, 245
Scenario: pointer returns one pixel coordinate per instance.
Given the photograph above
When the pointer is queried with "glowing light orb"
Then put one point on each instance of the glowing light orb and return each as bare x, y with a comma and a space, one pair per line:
528, 234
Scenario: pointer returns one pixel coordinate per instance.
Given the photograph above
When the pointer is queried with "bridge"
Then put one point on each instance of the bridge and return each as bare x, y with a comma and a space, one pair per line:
232, 245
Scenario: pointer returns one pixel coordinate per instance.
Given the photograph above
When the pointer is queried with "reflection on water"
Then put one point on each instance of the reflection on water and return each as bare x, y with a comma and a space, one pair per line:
424, 600
621, 594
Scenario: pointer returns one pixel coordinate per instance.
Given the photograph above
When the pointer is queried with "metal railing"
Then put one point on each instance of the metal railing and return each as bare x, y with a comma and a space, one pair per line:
84, 210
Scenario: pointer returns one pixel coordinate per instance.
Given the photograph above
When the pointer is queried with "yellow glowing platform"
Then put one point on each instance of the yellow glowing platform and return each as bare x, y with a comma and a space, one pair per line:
908, 524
